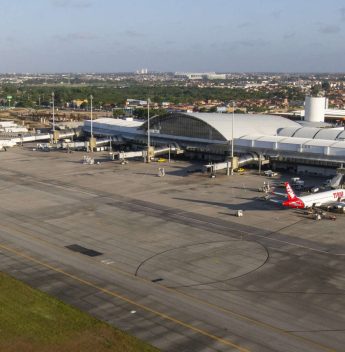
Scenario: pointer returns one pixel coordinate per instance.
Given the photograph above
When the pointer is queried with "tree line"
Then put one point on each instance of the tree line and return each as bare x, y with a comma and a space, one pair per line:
34, 96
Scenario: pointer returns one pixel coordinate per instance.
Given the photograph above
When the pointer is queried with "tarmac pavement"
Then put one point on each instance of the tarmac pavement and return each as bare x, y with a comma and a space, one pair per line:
164, 258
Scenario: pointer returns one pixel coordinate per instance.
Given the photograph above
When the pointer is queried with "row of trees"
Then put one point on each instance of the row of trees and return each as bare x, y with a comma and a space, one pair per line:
34, 96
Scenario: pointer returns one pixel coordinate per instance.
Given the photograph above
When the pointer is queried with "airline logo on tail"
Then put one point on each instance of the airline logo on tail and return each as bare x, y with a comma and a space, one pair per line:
290, 193
293, 201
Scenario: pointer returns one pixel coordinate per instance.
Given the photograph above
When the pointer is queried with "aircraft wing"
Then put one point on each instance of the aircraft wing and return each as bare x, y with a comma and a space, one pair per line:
272, 199
282, 195
275, 200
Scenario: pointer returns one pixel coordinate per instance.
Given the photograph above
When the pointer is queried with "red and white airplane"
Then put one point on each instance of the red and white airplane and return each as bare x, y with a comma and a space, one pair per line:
314, 200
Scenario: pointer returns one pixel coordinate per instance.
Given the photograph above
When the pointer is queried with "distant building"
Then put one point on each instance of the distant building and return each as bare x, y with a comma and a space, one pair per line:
77, 103
203, 75
142, 71
222, 109
135, 102
216, 76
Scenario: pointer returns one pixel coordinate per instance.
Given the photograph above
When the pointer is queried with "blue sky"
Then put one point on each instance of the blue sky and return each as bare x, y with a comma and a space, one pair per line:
172, 35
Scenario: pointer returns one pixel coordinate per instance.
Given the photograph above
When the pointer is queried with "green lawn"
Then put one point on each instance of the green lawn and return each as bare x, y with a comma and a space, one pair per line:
32, 321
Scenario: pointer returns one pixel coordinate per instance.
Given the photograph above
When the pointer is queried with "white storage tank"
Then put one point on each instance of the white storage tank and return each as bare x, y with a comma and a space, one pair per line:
315, 109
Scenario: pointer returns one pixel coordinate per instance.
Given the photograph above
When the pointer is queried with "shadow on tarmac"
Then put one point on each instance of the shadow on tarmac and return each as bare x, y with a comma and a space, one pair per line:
255, 204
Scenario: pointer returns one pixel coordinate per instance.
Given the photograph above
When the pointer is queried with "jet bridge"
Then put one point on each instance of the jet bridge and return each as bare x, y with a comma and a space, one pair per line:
174, 149
243, 160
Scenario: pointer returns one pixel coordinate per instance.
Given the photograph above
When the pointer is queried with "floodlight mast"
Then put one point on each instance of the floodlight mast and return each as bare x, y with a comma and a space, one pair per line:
53, 105
148, 130
232, 144
91, 128
232, 138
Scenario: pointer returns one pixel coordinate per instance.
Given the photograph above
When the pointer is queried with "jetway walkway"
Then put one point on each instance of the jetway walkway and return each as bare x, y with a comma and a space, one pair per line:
27, 138
85, 145
173, 149
245, 159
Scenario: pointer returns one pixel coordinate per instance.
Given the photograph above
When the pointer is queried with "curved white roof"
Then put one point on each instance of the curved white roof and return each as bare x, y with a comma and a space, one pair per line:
328, 133
288, 131
313, 132
244, 124
306, 132
341, 136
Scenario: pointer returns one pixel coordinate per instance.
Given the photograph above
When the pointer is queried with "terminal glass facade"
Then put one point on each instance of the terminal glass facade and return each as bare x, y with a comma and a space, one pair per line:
182, 125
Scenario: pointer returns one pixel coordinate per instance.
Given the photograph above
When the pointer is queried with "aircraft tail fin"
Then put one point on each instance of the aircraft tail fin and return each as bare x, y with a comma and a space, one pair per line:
289, 191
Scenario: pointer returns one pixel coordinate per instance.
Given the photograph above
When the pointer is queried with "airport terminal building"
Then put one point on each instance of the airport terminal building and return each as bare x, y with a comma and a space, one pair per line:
286, 143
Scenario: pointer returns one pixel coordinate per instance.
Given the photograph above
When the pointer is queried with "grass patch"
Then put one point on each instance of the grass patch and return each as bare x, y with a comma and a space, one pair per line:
32, 321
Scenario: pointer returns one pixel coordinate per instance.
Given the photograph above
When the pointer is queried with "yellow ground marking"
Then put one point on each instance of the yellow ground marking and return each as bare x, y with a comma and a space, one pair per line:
128, 300
196, 299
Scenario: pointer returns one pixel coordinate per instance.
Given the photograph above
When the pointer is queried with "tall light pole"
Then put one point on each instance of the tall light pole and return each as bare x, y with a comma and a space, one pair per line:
228, 159
91, 97
232, 138
148, 130
53, 102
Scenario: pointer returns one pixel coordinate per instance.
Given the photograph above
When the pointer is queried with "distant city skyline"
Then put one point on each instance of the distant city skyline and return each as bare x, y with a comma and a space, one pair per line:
55, 36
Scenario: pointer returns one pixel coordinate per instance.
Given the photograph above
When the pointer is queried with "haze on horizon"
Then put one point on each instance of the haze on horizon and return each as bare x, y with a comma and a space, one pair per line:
172, 35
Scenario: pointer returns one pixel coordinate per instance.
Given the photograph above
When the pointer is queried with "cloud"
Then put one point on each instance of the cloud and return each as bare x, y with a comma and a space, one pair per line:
244, 25
72, 3
239, 44
132, 34
342, 13
328, 28
276, 14
251, 43
289, 35
77, 36
10, 38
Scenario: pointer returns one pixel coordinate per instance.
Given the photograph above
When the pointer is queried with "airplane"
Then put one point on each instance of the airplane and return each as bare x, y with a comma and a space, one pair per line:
320, 199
